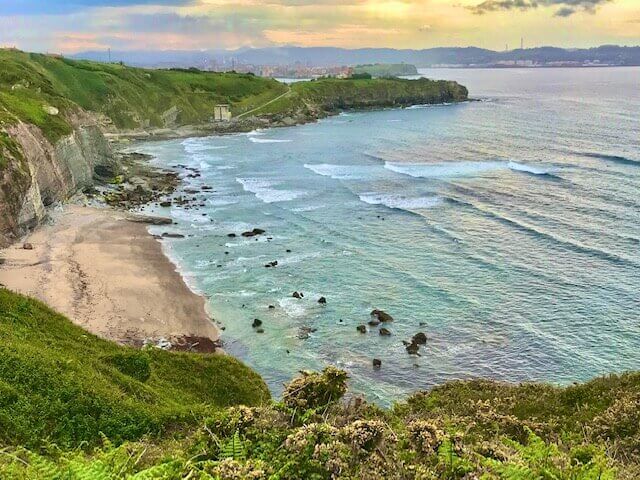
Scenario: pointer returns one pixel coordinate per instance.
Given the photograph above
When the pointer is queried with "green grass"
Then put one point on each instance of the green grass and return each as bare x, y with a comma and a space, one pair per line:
8, 149
330, 95
130, 97
59, 383
386, 69
336, 94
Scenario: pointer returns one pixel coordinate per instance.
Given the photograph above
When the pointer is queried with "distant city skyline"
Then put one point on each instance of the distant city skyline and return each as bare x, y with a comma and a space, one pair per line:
78, 25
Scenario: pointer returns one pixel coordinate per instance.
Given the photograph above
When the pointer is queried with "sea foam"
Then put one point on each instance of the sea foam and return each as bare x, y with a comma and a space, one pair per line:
461, 169
341, 172
268, 140
263, 189
400, 202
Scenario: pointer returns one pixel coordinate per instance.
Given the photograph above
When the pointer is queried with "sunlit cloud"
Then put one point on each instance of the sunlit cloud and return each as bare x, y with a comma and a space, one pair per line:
566, 7
228, 24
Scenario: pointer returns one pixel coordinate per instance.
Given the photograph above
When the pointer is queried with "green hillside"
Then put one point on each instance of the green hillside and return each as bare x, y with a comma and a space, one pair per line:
130, 97
330, 95
386, 69
74, 407
60, 384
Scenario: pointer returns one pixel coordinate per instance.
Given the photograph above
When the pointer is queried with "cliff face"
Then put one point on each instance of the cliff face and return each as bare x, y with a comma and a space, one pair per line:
38, 173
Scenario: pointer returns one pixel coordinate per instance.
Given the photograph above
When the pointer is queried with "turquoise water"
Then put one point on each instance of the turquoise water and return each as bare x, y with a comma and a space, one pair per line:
507, 230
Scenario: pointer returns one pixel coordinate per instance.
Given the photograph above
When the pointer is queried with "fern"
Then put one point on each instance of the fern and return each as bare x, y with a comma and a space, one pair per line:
95, 470
233, 448
537, 460
164, 471
44, 469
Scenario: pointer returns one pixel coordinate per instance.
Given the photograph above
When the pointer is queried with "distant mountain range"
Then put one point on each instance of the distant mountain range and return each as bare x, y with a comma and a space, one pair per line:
330, 56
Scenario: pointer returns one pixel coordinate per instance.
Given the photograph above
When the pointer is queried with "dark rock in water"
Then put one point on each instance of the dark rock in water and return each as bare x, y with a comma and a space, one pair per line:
165, 204
297, 295
419, 338
27, 246
231, 235
272, 264
253, 233
382, 315
260, 330
384, 332
361, 329
322, 300
374, 322
304, 332
423, 324
256, 323
288, 250
206, 187
271, 307
172, 235
377, 363
412, 349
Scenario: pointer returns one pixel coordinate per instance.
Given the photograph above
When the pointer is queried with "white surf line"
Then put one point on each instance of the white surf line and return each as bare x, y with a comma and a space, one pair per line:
265, 104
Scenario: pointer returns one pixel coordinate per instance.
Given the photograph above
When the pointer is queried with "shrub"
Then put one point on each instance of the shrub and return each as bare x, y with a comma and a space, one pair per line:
315, 390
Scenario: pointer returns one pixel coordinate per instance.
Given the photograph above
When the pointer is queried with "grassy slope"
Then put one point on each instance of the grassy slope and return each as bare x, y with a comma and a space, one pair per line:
59, 383
386, 69
331, 94
131, 97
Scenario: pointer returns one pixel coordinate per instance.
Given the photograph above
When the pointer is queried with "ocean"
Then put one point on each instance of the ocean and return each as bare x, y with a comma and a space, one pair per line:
506, 229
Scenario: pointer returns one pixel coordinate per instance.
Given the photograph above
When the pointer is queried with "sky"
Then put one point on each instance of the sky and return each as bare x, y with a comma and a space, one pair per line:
70, 26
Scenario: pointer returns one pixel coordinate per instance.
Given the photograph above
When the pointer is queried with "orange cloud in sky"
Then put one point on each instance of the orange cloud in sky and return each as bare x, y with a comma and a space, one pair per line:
205, 24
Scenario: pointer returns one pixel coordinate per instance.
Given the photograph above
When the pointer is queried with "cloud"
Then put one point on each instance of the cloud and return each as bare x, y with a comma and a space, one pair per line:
567, 7
565, 12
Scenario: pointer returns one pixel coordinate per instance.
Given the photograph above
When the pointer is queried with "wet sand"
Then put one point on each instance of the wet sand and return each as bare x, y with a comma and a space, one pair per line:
110, 276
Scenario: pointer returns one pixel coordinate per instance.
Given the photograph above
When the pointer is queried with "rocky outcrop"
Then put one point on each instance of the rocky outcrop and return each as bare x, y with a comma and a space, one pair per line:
38, 173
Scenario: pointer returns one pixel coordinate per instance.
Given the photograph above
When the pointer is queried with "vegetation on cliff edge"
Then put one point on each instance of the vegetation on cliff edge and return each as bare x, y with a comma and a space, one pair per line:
331, 95
76, 407
60, 384
386, 69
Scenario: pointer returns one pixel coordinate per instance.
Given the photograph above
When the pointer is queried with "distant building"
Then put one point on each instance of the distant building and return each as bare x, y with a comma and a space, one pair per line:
221, 113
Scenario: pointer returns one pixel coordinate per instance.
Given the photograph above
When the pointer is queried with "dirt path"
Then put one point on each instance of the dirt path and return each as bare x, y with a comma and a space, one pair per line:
265, 104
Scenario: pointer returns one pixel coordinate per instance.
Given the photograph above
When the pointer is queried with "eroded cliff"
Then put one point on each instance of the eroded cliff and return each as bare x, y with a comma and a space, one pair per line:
36, 173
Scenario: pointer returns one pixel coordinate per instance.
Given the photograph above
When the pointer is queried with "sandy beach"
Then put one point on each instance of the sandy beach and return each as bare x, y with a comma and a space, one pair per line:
110, 276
